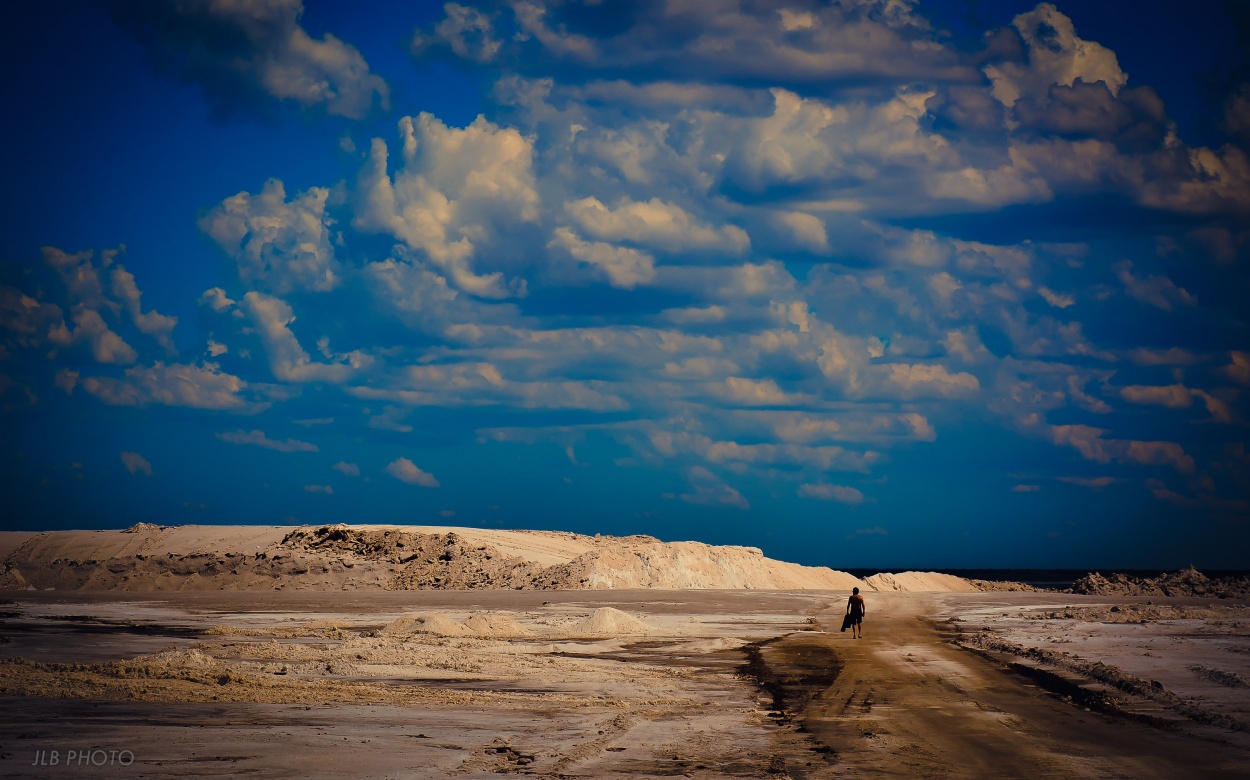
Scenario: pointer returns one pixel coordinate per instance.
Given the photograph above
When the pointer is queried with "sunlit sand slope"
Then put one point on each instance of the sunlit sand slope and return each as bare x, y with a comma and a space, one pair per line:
389, 557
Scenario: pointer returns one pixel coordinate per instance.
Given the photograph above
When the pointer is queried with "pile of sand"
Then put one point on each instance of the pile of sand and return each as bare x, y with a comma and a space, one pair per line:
438, 625
920, 581
1188, 582
148, 557
485, 625
609, 621
694, 565
495, 626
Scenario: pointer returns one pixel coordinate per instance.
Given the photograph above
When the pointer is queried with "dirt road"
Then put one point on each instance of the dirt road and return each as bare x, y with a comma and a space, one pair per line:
906, 702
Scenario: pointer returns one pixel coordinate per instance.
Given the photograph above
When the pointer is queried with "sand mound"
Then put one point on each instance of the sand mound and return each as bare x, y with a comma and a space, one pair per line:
147, 557
910, 581
609, 621
643, 563
439, 625
179, 658
495, 626
330, 625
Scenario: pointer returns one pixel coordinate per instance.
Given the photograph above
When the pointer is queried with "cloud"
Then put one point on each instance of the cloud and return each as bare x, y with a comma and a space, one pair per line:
1053, 54
1089, 443
1026, 488
1155, 290
216, 299
1239, 369
1174, 356
151, 322
325, 489
739, 41
136, 463
28, 323
751, 245
259, 439
653, 223
707, 489
469, 33
1058, 300
756, 392
876, 530
624, 267
696, 315
199, 386
81, 277
106, 345
733, 454
841, 493
391, 420
245, 53
406, 471
66, 380
458, 191
930, 379
1089, 482
805, 230
477, 384
283, 245
96, 309
287, 359
965, 345
1160, 453
1171, 396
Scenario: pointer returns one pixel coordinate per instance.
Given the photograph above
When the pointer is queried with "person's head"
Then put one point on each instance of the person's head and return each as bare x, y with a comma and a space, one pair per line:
855, 591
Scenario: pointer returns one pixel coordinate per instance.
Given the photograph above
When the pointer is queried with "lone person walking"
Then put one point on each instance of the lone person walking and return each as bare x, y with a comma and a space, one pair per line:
855, 613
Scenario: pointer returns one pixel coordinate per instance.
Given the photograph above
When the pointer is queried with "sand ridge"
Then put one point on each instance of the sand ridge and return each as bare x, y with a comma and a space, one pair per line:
148, 557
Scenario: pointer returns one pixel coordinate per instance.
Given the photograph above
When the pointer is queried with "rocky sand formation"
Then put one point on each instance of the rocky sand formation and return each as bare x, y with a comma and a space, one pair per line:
1187, 582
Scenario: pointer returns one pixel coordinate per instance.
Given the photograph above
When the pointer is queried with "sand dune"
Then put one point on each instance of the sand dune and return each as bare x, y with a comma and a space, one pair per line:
148, 557
913, 581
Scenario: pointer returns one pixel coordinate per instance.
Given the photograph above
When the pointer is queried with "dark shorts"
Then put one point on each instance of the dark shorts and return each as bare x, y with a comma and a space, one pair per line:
855, 618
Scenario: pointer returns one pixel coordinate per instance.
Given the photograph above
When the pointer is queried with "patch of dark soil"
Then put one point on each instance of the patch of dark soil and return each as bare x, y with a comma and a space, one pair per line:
87, 624
793, 671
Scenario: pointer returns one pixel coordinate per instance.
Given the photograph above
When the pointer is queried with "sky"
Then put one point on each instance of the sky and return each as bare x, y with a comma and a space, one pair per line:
861, 283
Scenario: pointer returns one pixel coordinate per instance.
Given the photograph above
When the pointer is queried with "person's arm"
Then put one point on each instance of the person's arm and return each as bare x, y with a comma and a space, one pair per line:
849, 602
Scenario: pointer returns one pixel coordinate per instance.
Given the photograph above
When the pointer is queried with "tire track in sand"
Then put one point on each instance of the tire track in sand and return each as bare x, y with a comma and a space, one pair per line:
908, 703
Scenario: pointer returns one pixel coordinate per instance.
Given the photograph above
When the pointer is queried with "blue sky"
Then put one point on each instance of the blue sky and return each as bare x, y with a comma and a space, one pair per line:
860, 283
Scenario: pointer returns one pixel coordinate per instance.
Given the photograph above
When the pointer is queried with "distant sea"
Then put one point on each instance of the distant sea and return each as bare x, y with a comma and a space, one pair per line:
1044, 578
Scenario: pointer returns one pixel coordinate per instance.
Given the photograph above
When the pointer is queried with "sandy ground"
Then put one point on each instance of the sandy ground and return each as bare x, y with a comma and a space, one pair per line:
622, 684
